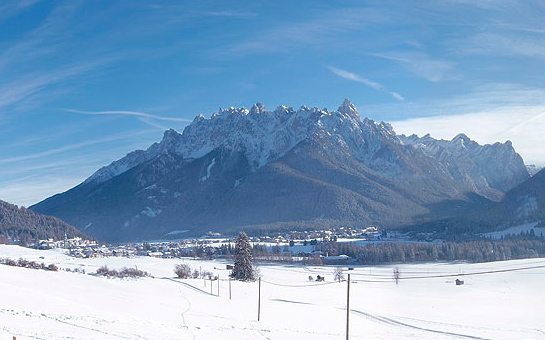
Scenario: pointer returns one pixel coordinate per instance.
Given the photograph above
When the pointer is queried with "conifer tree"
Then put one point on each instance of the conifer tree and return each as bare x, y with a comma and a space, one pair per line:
243, 269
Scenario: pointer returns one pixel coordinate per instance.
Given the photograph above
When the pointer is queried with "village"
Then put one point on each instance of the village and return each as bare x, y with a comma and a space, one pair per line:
299, 245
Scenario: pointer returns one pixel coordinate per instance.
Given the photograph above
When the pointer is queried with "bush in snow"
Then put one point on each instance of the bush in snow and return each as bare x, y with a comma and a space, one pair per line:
124, 272
338, 274
183, 271
52, 267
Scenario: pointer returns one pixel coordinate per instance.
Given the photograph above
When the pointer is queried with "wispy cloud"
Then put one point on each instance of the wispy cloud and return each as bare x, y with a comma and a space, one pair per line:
487, 114
12, 8
524, 123
488, 97
421, 64
354, 77
504, 44
146, 117
507, 28
45, 39
30, 84
319, 30
69, 147
488, 127
228, 14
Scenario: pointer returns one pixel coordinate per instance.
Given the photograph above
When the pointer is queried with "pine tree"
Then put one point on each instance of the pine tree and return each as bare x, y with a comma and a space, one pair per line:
243, 269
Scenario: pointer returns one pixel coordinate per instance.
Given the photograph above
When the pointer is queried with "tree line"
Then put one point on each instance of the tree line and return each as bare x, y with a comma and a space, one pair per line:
24, 226
484, 250
526, 245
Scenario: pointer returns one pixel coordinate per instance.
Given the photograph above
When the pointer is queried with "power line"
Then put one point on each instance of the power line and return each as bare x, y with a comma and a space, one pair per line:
387, 278
297, 286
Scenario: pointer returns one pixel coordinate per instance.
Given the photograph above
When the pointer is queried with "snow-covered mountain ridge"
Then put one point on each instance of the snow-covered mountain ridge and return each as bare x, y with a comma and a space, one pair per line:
498, 163
286, 168
263, 136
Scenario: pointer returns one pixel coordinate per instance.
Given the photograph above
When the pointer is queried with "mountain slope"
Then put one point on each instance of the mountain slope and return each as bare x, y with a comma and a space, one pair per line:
524, 203
282, 169
25, 226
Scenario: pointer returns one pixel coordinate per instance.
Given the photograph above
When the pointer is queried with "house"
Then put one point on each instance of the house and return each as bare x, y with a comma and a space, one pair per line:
339, 259
156, 254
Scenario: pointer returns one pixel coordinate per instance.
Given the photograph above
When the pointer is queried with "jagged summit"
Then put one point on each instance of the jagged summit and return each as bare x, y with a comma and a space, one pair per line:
263, 135
498, 163
306, 167
347, 107
257, 108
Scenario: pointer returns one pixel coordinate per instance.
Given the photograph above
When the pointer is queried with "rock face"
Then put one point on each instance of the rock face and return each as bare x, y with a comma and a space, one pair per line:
282, 169
490, 169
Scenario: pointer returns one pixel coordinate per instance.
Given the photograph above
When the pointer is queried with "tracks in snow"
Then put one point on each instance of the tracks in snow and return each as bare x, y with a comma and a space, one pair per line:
393, 322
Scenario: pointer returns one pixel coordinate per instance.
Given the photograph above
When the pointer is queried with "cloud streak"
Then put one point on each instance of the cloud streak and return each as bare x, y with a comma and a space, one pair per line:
323, 29
145, 116
433, 70
356, 78
68, 148
20, 90
508, 123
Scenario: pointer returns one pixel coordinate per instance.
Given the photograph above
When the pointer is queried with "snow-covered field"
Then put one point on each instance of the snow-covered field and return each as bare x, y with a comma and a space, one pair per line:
505, 303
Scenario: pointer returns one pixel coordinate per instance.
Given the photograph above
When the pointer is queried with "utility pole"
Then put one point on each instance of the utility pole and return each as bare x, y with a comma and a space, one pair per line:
218, 285
348, 307
229, 288
259, 301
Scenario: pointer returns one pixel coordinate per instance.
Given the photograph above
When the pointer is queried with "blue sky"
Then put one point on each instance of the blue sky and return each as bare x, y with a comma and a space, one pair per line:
82, 83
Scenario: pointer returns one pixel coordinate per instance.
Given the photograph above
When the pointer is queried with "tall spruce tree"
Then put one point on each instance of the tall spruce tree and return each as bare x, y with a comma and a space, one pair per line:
243, 269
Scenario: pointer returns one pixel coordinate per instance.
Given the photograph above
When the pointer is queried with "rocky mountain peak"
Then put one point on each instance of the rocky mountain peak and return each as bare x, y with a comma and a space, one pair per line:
348, 108
257, 108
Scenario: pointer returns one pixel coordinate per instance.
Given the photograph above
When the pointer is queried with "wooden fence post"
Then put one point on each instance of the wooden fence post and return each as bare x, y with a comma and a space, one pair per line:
259, 302
347, 307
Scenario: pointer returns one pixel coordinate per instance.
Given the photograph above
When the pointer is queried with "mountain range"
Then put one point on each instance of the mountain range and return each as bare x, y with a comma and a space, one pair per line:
306, 168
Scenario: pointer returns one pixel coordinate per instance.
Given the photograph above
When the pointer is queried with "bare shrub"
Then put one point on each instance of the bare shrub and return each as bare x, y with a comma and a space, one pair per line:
132, 272
22, 263
52, 267
183, 271
122, 273
338, 274
207, 275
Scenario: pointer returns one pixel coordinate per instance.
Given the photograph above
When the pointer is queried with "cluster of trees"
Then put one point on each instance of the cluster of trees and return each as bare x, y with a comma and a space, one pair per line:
28, 264
243, 269
184, 271
27, 227
517, 247
123, 272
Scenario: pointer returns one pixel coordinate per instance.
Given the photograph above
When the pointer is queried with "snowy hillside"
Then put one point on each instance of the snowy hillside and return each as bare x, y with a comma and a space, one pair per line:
500, 300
